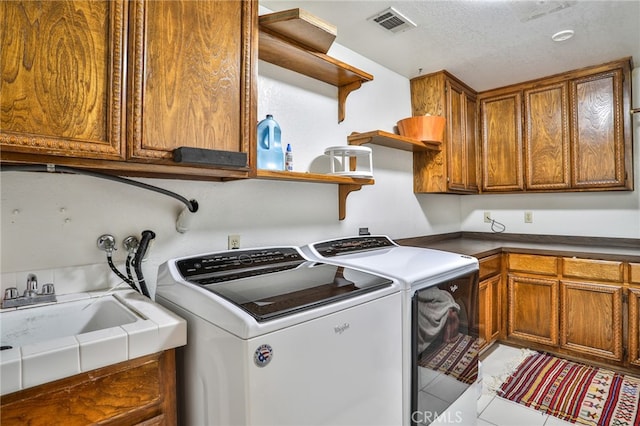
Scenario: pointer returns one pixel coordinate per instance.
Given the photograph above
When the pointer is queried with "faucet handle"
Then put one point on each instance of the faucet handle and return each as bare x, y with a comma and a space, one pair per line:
48, 289
10, 293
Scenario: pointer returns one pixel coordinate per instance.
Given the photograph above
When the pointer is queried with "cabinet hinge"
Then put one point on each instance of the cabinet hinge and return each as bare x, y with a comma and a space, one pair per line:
625, 298
624, 353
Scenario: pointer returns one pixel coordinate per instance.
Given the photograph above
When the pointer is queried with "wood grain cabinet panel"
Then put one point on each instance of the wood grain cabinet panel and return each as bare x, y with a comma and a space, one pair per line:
546, 138
454, 169
598, 141
190, 81
62, 89
533, 263
575, 127
591, 320
589, 269
140, 391
533, 309
634, 273
502, 148
490, 266
490, 309
634, 326
118, 85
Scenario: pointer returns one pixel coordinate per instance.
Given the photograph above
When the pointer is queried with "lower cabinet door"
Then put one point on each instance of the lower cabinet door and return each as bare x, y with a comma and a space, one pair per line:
634, 326
532, 309
489, 300
591, 319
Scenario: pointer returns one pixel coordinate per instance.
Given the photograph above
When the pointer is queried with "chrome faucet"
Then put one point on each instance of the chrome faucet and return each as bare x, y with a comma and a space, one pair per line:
31, 296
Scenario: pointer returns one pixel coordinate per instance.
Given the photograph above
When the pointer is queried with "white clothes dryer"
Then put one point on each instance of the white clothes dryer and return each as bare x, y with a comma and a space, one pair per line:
440, 322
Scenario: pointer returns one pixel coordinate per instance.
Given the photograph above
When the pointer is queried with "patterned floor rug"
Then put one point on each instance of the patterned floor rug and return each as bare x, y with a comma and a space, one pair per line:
574, 392
458, 359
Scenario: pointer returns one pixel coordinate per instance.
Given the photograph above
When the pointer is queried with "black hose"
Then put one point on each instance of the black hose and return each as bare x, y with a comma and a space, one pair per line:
192, 205
119, 274
145, 239
128, 266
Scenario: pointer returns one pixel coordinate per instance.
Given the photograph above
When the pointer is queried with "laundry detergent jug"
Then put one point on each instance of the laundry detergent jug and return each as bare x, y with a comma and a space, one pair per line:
270, 155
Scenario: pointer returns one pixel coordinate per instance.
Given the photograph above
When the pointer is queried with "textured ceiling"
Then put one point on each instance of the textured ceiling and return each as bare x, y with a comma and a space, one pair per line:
487, 44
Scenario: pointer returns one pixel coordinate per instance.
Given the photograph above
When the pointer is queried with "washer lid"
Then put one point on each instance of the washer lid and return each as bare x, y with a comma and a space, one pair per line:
275, 293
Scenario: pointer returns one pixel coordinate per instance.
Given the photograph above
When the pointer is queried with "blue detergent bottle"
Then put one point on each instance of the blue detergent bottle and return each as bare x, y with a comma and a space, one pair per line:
270, 155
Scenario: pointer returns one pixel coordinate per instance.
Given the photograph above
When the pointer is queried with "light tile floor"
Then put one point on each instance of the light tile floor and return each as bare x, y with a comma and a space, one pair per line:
495, 411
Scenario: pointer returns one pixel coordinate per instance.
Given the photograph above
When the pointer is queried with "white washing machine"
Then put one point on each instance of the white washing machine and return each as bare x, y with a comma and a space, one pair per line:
440, 322
275, 339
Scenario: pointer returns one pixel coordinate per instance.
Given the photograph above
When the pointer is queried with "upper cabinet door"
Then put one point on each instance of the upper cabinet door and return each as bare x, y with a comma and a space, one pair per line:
62, 78
598, 141
501, 118
461, 138
191, 72
546, 120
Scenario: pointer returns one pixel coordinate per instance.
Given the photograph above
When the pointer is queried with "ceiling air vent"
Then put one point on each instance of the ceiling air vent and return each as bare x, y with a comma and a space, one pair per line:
392, 20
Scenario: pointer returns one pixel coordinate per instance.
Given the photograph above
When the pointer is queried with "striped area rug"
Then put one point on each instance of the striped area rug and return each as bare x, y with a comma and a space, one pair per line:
458, 359
574, 392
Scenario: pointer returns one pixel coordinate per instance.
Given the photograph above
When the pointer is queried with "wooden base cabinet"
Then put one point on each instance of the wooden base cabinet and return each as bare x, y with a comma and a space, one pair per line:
532, 298
591, 301
489, 299
633, 296
634, 326
533, 309
591, 320
137, 392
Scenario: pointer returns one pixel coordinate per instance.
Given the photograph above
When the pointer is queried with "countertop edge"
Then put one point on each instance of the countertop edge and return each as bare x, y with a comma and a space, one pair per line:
482, 245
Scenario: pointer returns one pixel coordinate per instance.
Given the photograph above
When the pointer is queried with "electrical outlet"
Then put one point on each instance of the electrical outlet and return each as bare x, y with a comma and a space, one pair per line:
528, 217
487, 217
233, 241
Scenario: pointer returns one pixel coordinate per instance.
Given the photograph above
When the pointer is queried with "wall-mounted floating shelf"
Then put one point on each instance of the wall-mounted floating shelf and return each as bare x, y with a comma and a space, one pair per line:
287, 53
391, 140
346, 184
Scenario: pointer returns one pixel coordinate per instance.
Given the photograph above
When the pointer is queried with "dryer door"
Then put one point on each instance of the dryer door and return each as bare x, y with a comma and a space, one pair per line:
444, 349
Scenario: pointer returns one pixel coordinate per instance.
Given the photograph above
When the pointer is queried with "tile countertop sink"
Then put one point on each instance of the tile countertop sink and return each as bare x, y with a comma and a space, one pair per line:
82, 332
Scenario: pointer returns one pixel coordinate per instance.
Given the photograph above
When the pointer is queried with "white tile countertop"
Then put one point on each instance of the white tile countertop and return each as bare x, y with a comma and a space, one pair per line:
59, 350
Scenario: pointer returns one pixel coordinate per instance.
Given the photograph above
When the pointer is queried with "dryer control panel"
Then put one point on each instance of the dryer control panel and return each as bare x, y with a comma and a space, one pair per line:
352, 245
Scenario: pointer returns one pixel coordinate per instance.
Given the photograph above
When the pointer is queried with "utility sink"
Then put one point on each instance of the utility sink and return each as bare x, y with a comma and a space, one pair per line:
38, 324
80, 333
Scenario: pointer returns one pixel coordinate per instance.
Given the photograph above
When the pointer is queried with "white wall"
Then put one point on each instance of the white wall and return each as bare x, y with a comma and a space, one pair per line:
598, 214
53, 221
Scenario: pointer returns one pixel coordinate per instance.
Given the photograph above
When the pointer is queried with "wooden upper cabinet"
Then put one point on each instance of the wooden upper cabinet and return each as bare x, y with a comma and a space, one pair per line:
191, 77
575, 128
546, 137
600, 156
62, 87
118, 85
462, 138
502, 149
454, 168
